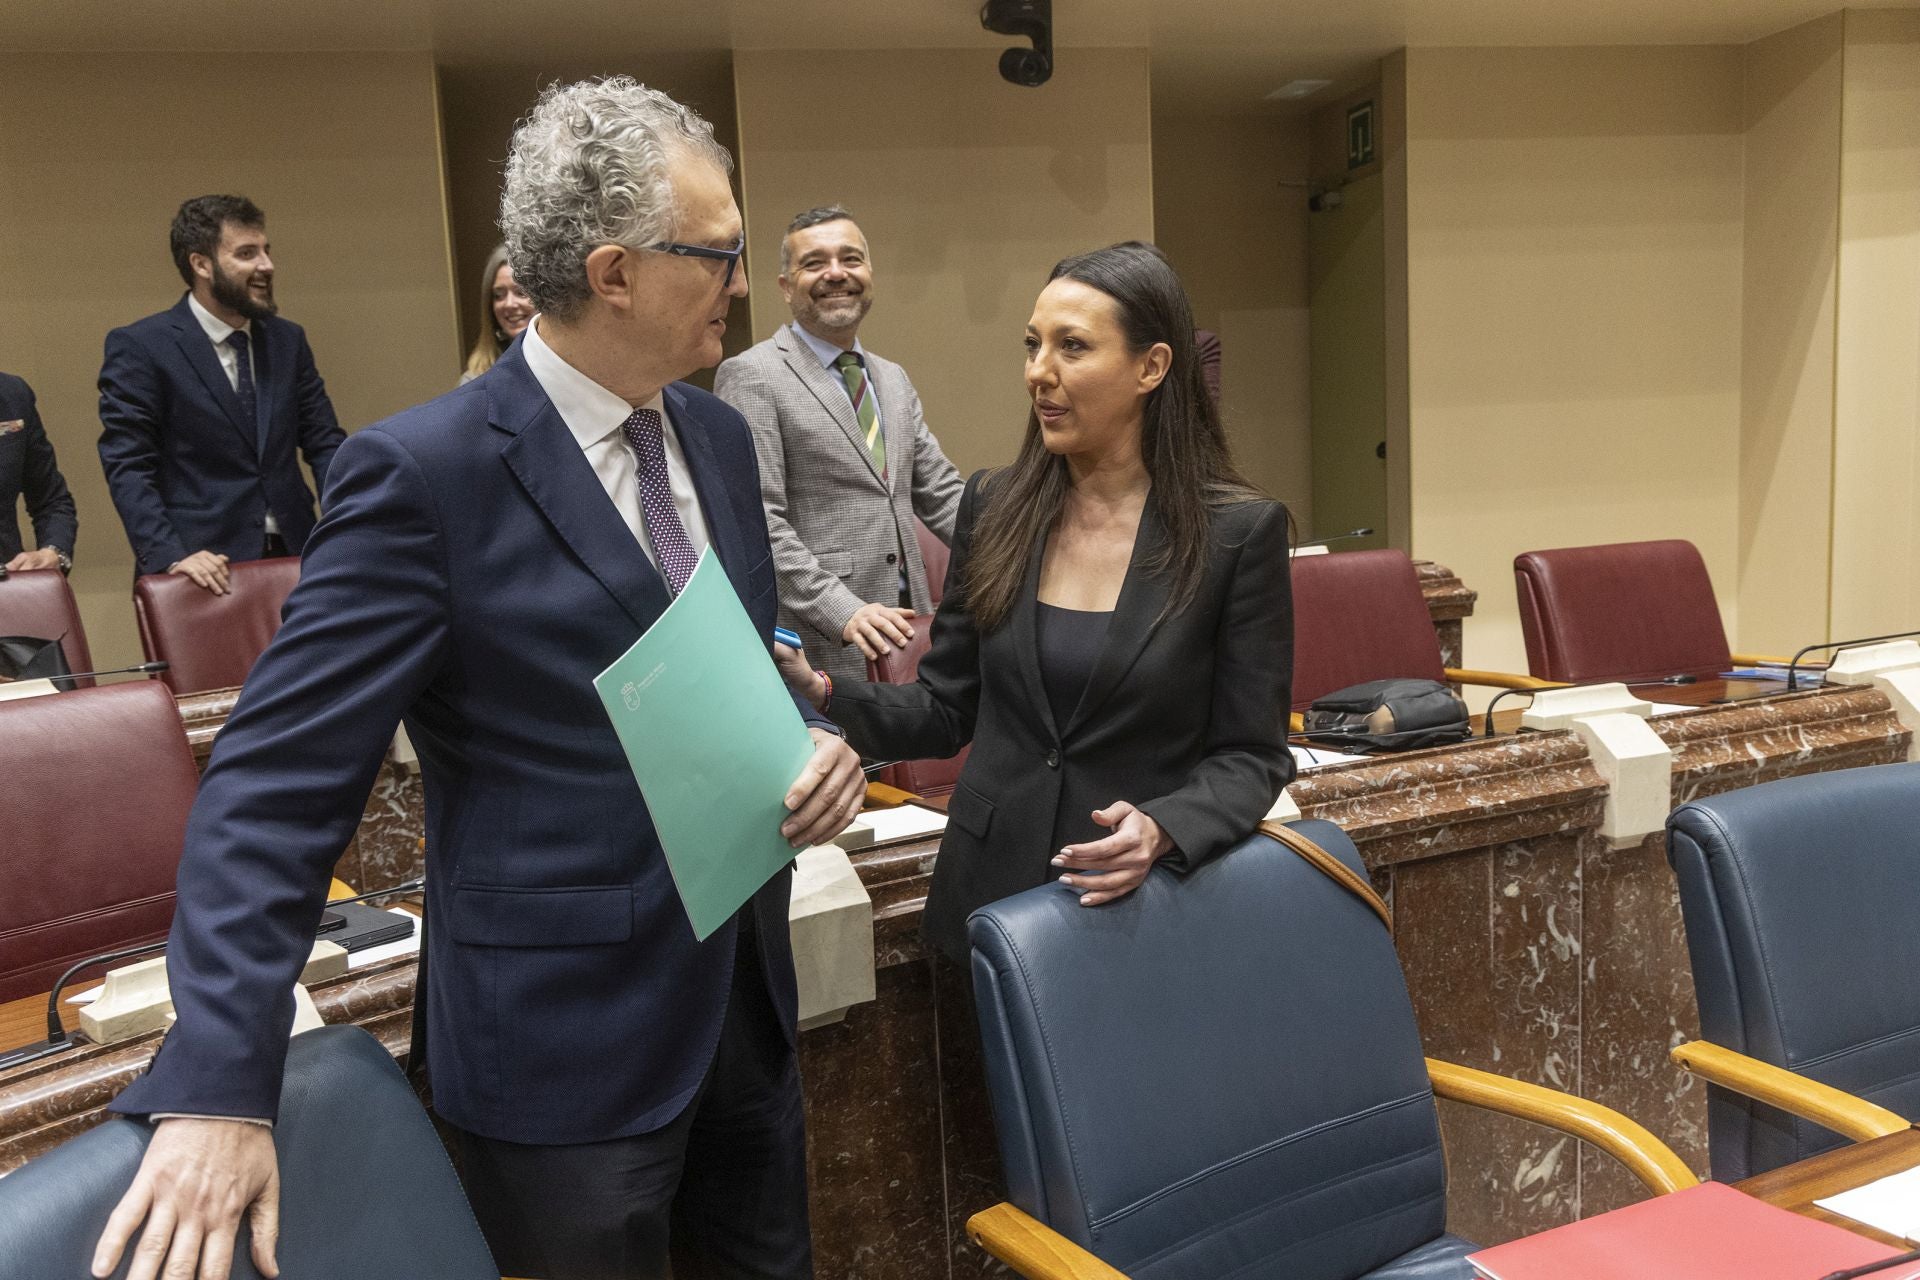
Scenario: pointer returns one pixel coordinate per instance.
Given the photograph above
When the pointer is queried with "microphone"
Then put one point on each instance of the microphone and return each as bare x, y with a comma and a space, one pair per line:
1338, 537
144, 669
1884, 1263
59, 1039
1486, 726
1793, 666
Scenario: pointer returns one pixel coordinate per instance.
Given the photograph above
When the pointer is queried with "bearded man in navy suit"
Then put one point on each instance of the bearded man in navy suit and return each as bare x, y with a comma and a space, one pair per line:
621, 1094
206, 408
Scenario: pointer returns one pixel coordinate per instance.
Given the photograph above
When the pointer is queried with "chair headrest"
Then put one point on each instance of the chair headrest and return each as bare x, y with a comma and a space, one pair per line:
366, 1187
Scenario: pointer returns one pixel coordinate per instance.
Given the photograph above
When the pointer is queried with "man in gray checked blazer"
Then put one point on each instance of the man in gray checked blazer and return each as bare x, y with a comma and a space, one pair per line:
846, 460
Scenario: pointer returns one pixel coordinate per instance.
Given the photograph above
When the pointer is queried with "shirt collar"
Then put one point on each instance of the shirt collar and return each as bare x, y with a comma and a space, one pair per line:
216, 328
591, 412
826, 352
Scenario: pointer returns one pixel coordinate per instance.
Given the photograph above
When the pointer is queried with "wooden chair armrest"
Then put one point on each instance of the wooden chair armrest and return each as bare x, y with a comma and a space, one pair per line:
1645, 1156
1296, 722
1034, 1249
339, 889
1759, 659
1499, 679
1823, 1104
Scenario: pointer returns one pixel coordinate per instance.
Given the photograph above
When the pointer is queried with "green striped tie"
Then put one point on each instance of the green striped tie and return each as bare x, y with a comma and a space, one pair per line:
863, 410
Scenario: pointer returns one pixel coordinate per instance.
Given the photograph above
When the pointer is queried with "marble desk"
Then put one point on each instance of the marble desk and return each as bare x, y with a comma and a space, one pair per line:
1532, 947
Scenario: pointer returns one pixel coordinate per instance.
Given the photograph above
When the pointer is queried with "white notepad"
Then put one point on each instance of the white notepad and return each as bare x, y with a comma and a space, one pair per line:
908, 822
1891, 1204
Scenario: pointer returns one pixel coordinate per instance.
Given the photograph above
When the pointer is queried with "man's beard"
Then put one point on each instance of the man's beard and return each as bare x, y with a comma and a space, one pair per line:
232, 292
847, 312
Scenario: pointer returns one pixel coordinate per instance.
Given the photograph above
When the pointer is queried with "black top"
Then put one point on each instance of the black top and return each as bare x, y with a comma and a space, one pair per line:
1184, 716
1069, 642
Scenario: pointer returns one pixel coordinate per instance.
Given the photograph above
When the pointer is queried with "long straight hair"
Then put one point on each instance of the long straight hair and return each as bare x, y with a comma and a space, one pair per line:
491, 342
1182, 446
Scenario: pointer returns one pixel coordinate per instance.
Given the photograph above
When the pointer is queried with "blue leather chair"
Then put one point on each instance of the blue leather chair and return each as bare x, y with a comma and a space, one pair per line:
365, 1186
1802, 907
1220, 1075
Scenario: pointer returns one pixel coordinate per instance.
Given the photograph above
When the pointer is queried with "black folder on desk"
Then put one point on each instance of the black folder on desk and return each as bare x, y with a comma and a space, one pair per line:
357, 926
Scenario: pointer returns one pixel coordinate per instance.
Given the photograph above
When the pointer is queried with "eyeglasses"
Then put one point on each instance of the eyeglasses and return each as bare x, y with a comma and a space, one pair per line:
729, 256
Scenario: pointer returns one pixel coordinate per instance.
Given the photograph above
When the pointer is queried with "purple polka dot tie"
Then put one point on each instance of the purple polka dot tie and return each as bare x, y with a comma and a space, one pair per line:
669, 537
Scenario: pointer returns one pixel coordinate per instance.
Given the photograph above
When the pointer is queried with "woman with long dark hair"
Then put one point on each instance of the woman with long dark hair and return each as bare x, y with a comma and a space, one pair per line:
1116, 639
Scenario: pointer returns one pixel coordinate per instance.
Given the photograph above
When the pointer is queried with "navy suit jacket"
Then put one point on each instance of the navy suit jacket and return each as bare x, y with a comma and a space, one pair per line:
187, 471
471, 575
27, 467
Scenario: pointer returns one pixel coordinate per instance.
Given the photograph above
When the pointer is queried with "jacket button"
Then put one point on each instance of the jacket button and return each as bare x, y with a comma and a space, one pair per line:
1053, 759
892, 558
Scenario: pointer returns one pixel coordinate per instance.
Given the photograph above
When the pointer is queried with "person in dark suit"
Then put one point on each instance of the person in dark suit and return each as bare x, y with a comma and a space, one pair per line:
618, 1091
1116, 640
28, 469
206, 408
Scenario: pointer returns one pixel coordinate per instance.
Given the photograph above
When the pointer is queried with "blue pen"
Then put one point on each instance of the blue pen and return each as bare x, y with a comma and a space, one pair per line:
786, 637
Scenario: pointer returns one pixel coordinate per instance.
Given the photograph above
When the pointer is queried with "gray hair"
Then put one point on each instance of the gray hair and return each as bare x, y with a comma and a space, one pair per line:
588, 168
813, 217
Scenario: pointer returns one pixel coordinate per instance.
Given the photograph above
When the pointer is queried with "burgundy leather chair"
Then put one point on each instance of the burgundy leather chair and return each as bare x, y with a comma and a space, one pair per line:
922, 777
934, 555
1360, 616
1627, 611
38, 602
94, 810
209, 641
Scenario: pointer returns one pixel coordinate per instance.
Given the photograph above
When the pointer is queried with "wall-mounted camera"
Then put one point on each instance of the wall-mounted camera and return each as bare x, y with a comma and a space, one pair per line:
1030, 20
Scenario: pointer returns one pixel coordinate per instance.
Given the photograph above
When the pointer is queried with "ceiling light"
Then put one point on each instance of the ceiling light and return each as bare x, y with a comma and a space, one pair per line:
1297, 89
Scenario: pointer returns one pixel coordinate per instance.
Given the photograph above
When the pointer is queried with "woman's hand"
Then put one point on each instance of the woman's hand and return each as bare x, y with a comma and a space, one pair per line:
1120, 861
800, 677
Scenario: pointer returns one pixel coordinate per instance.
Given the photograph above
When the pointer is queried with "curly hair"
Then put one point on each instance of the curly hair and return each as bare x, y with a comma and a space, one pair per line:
588, 167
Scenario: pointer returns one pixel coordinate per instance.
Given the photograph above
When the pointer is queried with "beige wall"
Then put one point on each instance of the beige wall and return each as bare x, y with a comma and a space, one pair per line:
1792, 116
340, 150
482, 103
969, 190
1230, 210
1573, 293
1876, 426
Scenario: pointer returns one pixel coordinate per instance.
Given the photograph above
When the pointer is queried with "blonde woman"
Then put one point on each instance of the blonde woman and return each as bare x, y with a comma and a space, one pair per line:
505, 312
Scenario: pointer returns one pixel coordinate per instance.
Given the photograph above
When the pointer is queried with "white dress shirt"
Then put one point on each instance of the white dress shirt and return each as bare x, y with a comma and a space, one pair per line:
593, 415
217, 331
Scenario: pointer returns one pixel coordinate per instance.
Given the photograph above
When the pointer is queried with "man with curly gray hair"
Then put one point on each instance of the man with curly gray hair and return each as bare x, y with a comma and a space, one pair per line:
624, 1096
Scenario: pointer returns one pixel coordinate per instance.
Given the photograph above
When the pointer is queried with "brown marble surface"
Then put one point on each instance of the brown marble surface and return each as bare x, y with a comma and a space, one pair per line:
1448, 601
385, 850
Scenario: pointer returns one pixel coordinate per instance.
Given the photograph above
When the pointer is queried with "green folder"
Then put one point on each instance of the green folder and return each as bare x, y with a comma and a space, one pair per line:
714, 740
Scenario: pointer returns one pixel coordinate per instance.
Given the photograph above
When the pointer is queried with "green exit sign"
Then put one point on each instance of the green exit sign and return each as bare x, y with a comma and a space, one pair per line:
1360, 135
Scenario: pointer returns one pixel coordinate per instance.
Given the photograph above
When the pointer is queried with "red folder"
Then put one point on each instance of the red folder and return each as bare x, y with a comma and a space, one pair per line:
1708, 1232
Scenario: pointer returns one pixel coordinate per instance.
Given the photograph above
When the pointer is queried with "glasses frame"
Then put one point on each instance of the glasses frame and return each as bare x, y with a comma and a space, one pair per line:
729, 256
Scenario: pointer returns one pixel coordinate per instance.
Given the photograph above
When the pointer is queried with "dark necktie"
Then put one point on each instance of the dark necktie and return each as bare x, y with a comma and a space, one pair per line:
244, 387
669, 537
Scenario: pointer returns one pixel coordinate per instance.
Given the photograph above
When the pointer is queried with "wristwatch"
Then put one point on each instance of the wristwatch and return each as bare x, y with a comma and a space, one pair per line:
66, 561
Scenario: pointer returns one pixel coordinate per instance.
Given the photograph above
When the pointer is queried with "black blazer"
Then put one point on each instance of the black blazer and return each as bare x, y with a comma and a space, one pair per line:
27, 466
1185, 717
188, 473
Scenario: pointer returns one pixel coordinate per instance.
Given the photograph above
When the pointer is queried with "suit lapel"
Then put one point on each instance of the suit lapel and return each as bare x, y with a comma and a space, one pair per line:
723, 531
829, 389
547, 461
193, 343
1026, 639
1135, 617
